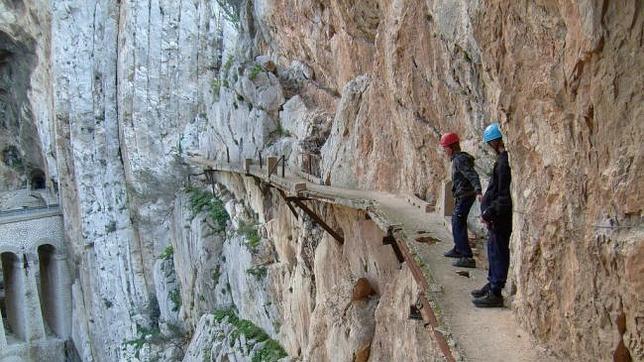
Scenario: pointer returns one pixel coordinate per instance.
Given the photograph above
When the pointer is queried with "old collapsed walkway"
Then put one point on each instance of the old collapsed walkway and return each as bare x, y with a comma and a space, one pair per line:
461, 330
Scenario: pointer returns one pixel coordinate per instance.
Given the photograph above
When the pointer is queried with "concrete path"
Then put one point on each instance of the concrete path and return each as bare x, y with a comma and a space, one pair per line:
472, 334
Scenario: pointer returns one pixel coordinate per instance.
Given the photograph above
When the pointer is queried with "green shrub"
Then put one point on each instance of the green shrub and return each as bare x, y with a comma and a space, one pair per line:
216, 274
281, 132
270, 351
110, 227
216, 86
249, 231
231, 10
145, 335
204, 201
228, 64
167, 253
259, 272
175, 297
254, 71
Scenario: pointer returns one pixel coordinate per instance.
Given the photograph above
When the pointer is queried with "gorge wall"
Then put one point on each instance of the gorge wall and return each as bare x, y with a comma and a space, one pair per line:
108, 99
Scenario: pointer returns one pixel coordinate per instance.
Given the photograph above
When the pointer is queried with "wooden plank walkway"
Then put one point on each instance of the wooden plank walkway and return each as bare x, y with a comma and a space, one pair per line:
462, 331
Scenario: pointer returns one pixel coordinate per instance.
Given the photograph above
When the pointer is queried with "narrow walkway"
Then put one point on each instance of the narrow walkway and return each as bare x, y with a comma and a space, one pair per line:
11, 216
478, 334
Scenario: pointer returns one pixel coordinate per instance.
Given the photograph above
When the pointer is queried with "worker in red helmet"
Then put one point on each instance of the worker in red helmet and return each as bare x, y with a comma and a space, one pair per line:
465, 188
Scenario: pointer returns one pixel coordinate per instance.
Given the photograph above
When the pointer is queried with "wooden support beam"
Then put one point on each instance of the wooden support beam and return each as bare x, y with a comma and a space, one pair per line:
288, 203
318, 220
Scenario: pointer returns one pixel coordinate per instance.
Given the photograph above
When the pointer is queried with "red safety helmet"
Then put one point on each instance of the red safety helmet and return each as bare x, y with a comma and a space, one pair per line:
449, 139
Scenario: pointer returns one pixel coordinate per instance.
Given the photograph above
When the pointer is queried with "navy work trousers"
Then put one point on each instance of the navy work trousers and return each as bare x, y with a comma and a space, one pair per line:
459, 225
498, 254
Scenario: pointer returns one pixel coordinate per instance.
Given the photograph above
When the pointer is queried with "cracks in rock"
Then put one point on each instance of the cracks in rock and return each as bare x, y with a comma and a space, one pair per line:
147, 64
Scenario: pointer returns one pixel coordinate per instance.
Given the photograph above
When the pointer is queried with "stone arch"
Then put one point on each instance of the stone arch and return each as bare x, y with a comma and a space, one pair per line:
12, 249
50, 287
13, 304
44, 242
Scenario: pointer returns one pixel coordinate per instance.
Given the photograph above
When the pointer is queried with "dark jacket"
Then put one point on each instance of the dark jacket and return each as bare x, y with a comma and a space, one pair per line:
465, 181
497, 202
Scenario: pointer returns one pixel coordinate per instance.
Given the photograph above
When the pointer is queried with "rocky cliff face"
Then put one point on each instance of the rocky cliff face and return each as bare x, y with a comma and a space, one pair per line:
560, 79
108, 98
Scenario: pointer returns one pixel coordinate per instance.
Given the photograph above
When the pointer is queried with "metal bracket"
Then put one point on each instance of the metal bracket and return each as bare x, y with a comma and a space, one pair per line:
288, 202
391, 240
318, 220
210, 178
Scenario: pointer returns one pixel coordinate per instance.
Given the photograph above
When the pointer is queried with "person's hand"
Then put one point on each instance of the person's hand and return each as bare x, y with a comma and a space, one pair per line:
479, 197
487, 216
488, 224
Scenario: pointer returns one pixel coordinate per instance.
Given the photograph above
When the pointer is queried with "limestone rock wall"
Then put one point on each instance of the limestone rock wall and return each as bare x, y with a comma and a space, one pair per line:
131, 88
111, 97
572, 112
26, 132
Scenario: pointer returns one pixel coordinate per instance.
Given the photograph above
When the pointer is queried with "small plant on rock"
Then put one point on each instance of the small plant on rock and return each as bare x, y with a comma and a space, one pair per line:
270, 351
145, 335
254, 71
281, 131
204, 201
258, 271
231, 10
167, 253
249, 231
229, 63
175, 297
216, 86
216, 274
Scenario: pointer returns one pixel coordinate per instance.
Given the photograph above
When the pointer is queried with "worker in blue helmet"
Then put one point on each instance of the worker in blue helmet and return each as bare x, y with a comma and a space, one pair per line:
496, 213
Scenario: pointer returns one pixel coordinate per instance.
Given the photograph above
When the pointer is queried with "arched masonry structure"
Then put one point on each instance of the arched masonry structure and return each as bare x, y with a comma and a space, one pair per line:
36, 300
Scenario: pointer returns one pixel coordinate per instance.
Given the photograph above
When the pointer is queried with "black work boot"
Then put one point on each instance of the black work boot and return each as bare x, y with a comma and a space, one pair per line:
465, 263
414, 313
452, 253
489, 300
478, 293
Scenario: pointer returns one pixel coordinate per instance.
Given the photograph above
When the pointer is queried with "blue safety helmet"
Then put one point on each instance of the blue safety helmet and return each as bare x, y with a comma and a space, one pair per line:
492, 132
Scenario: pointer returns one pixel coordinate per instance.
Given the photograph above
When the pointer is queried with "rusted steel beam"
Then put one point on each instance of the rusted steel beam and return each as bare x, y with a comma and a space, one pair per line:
272, 163
390, 240
427, 311
288, 203
210, 178
318, 220
293, 198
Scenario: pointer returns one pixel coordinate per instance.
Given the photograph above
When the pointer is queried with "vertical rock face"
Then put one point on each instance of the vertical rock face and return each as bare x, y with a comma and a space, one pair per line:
561, 80
99, 222
131, 88
572, 113
108, 98
25, 129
